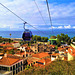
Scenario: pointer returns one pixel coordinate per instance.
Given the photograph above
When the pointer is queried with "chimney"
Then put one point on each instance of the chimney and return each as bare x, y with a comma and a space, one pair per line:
5, 55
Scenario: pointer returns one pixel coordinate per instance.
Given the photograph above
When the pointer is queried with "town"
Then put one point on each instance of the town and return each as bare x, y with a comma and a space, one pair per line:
17, 55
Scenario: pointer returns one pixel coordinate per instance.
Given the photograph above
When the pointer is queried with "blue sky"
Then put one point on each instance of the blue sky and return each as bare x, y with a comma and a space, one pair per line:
62, 14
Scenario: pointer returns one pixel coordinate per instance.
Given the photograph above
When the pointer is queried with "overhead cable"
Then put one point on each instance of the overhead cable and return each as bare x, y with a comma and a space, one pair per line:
49, 15
40, 12
21, 18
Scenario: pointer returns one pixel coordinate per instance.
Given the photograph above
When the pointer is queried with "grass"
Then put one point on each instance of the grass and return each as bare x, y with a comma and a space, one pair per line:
55, 68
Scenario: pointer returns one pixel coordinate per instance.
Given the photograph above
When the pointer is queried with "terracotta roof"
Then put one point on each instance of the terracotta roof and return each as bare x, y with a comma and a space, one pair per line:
65, 58
32, 59
55, 54
8, 61
23, 53
27, 48
1, 53
62, 48
6, 44
25, 45
45, 60
29, 62
53, 37
52, 45
71, 50
40, 55
8, 48
48, 61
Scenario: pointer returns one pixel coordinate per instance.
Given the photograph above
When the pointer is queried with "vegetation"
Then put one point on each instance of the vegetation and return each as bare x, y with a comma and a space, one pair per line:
12, 52
34, 40
55, 68
73, 39
39, 38
63, 38
5, 40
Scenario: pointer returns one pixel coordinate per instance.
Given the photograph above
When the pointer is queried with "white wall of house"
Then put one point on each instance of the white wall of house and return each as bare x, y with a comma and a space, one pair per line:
70, 57
16, 45
52, 58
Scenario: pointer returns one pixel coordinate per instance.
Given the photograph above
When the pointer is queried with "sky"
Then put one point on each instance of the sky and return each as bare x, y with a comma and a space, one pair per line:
62, 14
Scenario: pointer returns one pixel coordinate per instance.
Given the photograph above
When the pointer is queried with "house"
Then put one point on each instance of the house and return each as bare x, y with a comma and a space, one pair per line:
41, 55
31, 61
53, 40
54, 56
10, 66
42, 62
16, 44
34, 48
24, 48
71, 53
63, 50
3, 45
23, 54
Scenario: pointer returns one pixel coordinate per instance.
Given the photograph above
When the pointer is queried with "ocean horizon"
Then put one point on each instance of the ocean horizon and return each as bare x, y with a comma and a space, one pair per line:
46, 33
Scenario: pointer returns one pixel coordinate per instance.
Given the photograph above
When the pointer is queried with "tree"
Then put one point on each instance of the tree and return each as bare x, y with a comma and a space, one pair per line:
42, 39
58, 44
73, 39
45, 39
10, 35
69, 41
12, 52
38, 38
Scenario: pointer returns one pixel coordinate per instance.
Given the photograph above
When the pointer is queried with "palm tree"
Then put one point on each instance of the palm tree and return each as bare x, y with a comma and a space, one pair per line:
10, 35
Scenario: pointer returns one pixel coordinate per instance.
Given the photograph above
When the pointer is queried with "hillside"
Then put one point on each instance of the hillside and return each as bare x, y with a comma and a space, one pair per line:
55, 68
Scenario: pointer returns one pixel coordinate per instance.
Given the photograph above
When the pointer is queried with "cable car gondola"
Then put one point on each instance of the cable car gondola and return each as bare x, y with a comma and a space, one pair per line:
27, 34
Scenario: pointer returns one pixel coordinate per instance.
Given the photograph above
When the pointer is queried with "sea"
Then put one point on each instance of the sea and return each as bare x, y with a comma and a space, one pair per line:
42, 33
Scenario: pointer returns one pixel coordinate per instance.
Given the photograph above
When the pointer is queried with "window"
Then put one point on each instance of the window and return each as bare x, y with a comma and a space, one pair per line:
21, 62
14, 67
16, 71
13, 72
10, 68
21, 68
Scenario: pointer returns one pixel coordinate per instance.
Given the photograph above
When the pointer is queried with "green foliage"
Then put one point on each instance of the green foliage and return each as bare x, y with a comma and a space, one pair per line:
54, 68
73, 39
64, 38
12, 52
39, 38
56, 51
56, 47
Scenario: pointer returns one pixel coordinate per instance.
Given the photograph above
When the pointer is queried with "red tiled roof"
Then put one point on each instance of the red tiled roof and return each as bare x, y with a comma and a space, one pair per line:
62, 48
40, 55
8, 48
65, 58
29, 62
27, 48
55, 54
45, 60
6, 44
25, 45
8, 61
52, 46
23, 53
71, 50
1, 53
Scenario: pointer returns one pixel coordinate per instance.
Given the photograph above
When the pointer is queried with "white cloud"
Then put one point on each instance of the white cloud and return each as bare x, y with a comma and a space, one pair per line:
60, 27
73, 27
27, 10
68, 27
